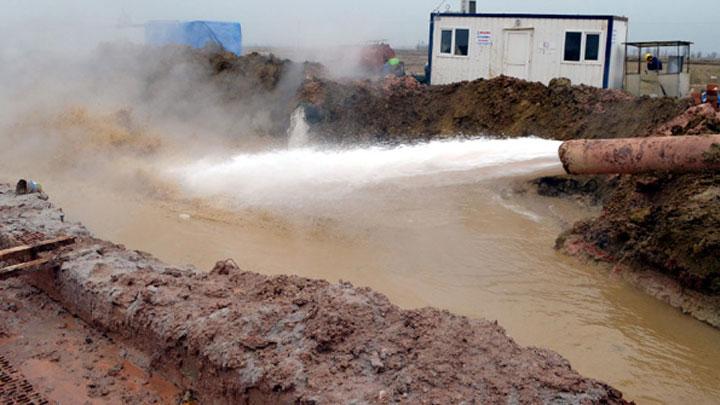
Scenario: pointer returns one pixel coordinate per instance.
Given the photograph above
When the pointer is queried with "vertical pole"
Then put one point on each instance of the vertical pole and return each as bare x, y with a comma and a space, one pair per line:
680, 60
625, 61
607, 68
431, 45
658, 71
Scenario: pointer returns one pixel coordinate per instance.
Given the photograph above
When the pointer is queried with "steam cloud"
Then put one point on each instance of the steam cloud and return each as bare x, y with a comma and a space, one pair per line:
117, 114
181, 123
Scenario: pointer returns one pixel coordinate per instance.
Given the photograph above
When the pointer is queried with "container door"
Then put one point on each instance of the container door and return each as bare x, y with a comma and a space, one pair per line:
518, 47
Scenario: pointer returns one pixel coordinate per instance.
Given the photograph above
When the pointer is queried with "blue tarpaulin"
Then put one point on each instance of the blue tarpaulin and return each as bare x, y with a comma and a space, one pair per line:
196, 34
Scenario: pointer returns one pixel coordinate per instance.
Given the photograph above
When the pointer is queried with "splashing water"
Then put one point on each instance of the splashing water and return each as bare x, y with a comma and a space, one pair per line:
290, 177
298, 132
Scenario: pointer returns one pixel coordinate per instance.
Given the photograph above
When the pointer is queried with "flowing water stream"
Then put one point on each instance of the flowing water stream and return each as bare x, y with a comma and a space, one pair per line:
444, 224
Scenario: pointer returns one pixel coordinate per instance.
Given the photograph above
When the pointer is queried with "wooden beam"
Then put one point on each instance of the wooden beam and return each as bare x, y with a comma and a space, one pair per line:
31, 265
43, 246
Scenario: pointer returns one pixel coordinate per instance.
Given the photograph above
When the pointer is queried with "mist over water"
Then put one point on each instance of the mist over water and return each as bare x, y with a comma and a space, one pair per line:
296, 175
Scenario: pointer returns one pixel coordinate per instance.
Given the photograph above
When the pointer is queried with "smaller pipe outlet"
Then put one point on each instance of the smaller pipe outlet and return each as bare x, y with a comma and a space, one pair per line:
27, 187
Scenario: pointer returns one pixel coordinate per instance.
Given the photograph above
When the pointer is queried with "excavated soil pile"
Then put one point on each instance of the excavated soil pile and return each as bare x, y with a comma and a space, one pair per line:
661, 223
257, 94
498, 107
670, 223
697, 120
239, 337
660, 231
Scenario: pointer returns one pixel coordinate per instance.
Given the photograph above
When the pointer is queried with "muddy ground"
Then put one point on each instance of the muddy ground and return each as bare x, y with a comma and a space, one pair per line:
67, 361
231, 336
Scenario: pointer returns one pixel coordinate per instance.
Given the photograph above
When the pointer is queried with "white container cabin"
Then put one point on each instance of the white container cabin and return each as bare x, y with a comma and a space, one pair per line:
587, 49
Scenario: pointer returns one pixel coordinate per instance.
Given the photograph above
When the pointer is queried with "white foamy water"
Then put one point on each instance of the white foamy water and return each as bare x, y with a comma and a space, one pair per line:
290, 176
298, 132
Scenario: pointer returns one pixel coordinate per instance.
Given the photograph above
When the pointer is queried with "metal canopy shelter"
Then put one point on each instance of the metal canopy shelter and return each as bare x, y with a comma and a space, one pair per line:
673, 80
649, 44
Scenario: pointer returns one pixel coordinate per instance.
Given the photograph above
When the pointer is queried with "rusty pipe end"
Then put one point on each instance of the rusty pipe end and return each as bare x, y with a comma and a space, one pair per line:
562, 153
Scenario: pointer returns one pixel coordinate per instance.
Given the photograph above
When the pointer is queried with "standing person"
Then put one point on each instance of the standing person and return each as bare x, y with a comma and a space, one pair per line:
654, 65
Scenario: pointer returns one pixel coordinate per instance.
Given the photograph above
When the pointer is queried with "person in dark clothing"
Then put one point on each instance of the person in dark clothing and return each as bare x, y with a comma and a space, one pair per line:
653, 63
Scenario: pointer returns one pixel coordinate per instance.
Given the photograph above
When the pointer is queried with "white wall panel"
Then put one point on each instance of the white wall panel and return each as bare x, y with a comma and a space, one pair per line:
486, 56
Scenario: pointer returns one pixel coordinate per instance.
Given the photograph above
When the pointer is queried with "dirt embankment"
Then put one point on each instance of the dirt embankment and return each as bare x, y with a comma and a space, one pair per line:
238, 337
256, 94
669, 222
659, 230
666, 224
401, 110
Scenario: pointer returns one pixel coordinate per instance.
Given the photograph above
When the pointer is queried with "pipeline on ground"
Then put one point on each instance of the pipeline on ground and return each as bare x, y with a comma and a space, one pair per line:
674, 154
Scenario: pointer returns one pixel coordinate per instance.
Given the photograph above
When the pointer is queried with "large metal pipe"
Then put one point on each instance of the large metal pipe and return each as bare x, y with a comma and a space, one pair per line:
677, 154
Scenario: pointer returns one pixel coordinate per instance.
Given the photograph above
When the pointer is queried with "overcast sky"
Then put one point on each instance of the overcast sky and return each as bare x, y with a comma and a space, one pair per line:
319, 22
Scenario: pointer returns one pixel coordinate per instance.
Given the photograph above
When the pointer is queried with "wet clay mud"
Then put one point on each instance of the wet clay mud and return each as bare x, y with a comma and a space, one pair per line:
238, 337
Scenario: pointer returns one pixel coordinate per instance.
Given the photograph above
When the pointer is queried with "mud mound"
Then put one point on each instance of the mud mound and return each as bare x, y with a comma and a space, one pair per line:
498, 107
239, 337
701, 119
665, 222
213, 91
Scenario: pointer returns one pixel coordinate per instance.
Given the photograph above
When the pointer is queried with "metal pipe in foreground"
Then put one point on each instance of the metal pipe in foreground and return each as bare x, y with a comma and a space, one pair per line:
677, 154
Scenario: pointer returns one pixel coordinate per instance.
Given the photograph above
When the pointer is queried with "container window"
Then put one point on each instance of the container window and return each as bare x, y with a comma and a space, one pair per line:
573, 44
462, 42
446, 42
473, 7
592, 47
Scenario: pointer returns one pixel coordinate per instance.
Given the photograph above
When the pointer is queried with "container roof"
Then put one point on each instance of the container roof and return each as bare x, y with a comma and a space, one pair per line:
530, 15
652, 44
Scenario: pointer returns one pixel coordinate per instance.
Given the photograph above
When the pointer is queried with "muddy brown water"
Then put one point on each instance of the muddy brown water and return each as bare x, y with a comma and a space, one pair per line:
472, 243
